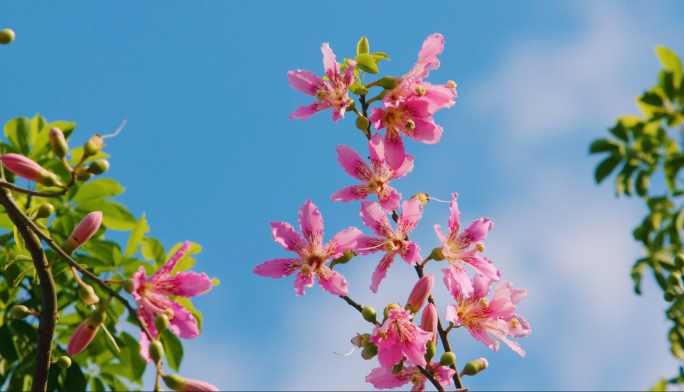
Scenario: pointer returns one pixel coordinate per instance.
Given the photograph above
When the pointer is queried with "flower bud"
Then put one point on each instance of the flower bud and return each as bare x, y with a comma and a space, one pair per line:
362, 123
45, 211
6, 36
178, 383
83, 231
391, 307
128, 286
85, 333
344, 259
473, 367
352, 105
58, 143
29, 170
420, 293
448, 359
431, 350
64, 362
437, 254
388, 82
679, 260
20, 312
369, 352
85, 175
674, 279
361, 341
96, 318
423, 197
396, 369
362, 46
161, 323
169, 313
428, 322
87, 294
670, 296
93, 145
98, 166
156, 351
369, 314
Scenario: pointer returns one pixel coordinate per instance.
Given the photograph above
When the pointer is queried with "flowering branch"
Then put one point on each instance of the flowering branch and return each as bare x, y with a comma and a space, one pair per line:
431, 378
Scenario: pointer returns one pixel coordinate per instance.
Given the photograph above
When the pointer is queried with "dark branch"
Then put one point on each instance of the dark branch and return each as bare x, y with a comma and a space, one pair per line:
430, 377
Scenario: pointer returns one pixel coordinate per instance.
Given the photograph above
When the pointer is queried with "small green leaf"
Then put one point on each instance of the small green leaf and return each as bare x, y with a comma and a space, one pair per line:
21, 259
137, 237
154, 251
18, 239
358, 89
362, 46
659, 386
114, 215
379, 56
603, 145
670, 62
643, 183
606, 167
69, 268
637, 271
173, 349
366, 63
18, 131
667, 84
97, 190
21, 276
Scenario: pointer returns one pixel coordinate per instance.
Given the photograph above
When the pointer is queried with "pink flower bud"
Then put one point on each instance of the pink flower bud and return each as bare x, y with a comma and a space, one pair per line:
420, 293
429, 321
178, 383
81, 338
29, 170
82, 233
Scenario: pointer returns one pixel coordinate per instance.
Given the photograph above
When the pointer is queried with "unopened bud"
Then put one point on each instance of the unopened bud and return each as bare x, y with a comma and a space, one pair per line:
420, 91
87, 294
484, 303
64, 362
362, 123
514, 323
451, 84
98, 166
369, 352
128, 286
96, 318
473, 367
431, 351
679, 260
361, 341
362, 46
369, 314
388, 82
156, 351
352, 105
674, 279
85, 175
423, 197
448, 359
161, 323
420, 293
480, 247
391, 307
20, 312
45, 211
169, 313
93, 145
669, 296
174, 382
396, 369
29, 170
58, 143
6, 36
83, 231
410, 125
344, 259
437, 254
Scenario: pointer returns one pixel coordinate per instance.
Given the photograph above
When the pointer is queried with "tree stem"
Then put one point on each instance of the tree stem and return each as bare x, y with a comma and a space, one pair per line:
431, 378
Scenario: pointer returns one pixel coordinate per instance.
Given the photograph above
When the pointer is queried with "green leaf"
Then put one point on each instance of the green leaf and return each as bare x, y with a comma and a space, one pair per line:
97, 190
37, 123
379, 56
606, 167
114, 215
667, 84
21, 259
96, 384
603, 145
366, 63
8, 345
154, 251
643, 183
75, 379
358, 89
21, 276
137, 237
135, 361
18, 131
5, 221
77, 154
670, 62
637, 271
362, 46
659, 386
173, 349
18, 239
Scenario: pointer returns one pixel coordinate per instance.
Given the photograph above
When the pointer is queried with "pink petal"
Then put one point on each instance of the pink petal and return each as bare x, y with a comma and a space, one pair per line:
352, 163
305, 111
411, 212
405, 168
503, 291
444, 375
302, 282
478, 229
440, 235
376, 147
517, 295
390, 356
389, 199
375, 218
452, 314
305, 81
409, 253
198, 385
332, 281
381, 271
481, 286
189, 284
338, 112
383, 379
485, 338
376, 118
349, 73
418, 107
513, 345
284, 234
395, 154
171, 264
523, 328
415, 349
329, 61
354, 192
145, 347
441, 96
138, 279
310, 220
183, 322
278, 268
426, 131
432, 47
454, 223
367, 244
81, 338
344, 240
457, 281
483, 266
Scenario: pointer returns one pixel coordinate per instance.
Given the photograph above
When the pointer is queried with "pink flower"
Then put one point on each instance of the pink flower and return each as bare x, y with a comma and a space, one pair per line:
85, 333
376, 178
429, 320
329, 95
399, 337
152, 295
483, 317
460, 248
411, 118
178, 383
382, 378
312, 254
420, 293
85, 229
388, 240
29, 170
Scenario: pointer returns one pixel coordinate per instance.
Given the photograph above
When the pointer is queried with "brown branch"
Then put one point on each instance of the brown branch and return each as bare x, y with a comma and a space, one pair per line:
364, 106
430, 377
19, 189
355, 306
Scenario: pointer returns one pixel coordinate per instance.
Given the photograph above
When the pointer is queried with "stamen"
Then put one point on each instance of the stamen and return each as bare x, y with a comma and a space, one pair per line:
441, 201
123, 124
410, 125
420, 91
480, 247
321, 95
372, 247
306, 270
345, 355
514, 323
451, 84
484, 303
416, 379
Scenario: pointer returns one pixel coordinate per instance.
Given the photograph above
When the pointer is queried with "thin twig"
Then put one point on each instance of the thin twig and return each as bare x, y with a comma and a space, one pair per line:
355, 306
430, 377
19, 189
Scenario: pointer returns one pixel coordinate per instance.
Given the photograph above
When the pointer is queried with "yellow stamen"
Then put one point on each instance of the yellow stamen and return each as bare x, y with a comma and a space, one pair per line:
321, 95
484, 303
514, 323
373, 186
451, 84
420, 91
479, 246
169, 313
416, 379
410, 125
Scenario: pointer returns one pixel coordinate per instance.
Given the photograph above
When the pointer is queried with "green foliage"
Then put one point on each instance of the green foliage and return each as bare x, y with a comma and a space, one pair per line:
116, 356
641, 147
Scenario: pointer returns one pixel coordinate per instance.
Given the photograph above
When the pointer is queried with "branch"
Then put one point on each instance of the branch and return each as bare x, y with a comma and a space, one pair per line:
27, 222
355, 306
430, 377
19, 189
364, 106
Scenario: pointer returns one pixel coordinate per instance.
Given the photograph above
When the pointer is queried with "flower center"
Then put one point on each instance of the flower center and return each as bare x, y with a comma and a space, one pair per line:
416, 379
420, 91
321, 95
514, 323
373, 186
484, 303
410, 125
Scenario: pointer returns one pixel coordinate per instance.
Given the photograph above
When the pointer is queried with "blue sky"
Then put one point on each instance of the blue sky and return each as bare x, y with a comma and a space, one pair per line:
210, 156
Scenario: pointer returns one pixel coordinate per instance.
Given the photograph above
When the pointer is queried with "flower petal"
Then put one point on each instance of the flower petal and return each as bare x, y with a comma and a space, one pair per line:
284, 234
452, 314
332, 281
457, 281
352, 163
478, 229
138, 279
329, 63
376, 118
440, 235
354, 192
277, 268
189, 284
344, 240
405, 168
367, 244
454, 222
432, 47
183, 322
375, 218
305, 82
145, 347
381, 271
517, 295
409, 252
411, 212
383, 379
522, 330
483, 266
485, 338
376, 147
349, 73
395, 153
302, 282
481, 286
171, 264
426, 131
305, 111
513, 345
389, 199
310, 220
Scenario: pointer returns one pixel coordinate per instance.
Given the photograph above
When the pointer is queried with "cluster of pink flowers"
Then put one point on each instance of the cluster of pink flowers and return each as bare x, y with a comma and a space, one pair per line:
407, 110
